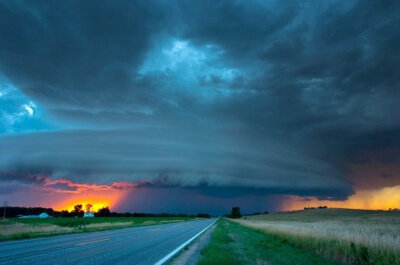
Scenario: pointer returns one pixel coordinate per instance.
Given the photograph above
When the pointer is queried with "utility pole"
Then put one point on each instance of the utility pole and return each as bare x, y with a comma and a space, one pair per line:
5, 204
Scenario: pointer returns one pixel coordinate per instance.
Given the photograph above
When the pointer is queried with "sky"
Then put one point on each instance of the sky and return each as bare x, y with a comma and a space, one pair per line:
198, 106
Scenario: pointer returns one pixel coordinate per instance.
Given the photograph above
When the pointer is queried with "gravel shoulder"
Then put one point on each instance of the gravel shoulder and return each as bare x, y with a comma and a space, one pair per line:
192, 253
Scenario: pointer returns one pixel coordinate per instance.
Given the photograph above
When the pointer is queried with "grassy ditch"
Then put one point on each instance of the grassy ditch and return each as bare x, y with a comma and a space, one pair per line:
234, 244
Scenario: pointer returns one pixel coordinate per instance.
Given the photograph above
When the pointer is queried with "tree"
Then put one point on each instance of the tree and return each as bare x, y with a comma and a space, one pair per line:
78, 210
64, 213
103, 212
203, 215
88, 207
235, 213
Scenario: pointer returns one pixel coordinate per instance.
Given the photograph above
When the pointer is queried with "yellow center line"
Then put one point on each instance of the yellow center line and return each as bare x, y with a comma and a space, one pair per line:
90, 242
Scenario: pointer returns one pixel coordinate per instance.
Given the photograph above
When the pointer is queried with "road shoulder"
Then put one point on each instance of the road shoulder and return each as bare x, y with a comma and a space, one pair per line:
192, 253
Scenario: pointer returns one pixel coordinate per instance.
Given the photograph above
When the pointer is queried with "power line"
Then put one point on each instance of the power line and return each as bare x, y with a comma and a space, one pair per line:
5, 204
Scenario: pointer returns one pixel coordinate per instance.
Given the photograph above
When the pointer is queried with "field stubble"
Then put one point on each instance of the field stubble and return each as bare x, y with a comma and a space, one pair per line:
351, 236
15, 228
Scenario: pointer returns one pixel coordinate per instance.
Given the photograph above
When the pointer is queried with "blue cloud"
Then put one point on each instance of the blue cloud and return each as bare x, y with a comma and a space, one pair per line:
19, 113
198, 71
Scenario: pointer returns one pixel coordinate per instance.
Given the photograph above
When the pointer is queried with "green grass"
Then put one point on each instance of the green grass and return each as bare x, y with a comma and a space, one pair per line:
21, 228
233, 244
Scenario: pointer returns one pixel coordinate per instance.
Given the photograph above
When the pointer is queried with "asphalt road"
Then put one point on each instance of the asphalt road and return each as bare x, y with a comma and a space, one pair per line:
134, 246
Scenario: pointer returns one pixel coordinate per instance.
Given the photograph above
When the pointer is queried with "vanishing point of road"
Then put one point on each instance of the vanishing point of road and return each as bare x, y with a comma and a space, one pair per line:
137, 245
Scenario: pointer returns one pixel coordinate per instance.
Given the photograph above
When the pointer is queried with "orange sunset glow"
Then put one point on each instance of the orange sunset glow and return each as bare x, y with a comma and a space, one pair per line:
97, 203
99, 196
375, 199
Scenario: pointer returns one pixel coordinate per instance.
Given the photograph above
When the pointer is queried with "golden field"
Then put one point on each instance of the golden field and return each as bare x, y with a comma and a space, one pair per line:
349, 236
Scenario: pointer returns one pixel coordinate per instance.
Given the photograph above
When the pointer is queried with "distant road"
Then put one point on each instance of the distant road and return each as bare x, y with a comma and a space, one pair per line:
133, 246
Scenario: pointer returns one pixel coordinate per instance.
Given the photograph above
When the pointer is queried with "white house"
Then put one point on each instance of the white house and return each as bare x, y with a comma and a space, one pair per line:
44, 215
89, 214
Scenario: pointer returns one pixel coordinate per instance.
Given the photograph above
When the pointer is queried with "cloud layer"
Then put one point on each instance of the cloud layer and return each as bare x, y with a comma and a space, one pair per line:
276, 98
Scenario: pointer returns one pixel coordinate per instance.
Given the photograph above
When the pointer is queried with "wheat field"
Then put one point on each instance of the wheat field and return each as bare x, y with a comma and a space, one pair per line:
376, 231
375, 234
17, 228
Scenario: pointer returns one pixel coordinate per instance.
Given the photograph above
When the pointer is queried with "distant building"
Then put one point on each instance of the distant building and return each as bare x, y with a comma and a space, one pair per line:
89, 214
42, 215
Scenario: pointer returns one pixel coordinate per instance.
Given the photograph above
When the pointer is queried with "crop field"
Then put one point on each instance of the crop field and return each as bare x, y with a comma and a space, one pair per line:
345, 236
22, 228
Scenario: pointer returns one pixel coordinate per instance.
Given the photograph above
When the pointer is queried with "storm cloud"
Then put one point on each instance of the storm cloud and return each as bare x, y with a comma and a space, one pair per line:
223, 97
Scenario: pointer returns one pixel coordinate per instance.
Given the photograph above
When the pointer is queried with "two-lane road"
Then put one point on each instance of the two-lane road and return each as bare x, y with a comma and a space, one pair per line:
136, 245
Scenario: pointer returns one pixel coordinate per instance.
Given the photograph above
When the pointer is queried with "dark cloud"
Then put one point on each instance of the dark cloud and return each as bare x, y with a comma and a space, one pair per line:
76, 53
233, 97
168, 157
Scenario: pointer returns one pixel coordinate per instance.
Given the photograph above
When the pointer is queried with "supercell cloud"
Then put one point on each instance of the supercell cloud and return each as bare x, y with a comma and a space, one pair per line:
222, 100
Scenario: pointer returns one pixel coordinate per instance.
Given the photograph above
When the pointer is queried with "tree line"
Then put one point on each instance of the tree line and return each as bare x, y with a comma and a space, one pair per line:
12, 212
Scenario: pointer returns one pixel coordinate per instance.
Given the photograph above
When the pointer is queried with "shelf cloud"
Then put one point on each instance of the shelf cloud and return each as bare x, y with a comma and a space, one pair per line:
226, 99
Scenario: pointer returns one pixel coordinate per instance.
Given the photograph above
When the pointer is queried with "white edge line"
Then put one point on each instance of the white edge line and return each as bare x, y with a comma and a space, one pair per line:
171, 254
